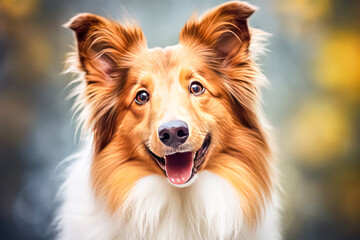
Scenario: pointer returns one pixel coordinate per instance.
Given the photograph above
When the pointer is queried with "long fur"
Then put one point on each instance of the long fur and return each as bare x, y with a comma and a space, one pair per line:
157, 210
114, 189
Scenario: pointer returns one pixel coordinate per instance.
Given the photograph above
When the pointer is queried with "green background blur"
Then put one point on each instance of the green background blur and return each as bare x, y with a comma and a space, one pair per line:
313, 103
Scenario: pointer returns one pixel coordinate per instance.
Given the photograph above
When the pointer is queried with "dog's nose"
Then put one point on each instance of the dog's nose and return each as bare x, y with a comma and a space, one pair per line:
173, 133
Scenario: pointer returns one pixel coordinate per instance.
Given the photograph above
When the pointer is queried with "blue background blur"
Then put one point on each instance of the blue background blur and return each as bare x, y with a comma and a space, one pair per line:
313, 66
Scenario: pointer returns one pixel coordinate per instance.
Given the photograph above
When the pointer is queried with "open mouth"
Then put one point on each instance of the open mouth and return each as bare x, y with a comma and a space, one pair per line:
181, 167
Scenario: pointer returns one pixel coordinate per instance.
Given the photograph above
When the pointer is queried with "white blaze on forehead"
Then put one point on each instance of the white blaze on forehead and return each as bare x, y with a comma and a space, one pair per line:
172, 105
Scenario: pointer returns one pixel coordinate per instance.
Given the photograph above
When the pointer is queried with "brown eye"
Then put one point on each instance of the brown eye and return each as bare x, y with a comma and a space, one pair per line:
196, 88
141, 97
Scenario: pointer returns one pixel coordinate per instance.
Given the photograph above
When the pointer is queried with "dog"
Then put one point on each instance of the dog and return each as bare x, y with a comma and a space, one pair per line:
178, 147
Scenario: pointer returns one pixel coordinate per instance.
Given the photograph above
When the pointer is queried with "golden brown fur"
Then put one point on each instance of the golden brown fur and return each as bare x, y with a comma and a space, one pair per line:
213, 50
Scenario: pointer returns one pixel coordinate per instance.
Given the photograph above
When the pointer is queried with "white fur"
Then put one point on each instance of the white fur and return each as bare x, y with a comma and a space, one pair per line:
207, 209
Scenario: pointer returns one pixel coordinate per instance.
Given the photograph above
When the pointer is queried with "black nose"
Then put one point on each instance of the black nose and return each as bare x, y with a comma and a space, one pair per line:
173, 133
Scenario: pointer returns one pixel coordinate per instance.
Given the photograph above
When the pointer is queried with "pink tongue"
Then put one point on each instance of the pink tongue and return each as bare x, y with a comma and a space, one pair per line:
179, 167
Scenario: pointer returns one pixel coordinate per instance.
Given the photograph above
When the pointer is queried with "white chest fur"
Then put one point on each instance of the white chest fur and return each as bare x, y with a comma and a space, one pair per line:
207, 209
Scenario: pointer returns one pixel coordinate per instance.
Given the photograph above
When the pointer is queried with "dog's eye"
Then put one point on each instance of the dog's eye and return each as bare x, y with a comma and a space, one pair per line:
196, 88
142, 97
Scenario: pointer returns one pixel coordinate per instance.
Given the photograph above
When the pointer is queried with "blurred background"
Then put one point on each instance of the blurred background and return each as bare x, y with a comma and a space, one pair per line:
313, 65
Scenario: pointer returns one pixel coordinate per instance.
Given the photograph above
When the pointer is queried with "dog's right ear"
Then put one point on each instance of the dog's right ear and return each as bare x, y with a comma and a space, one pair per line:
105, 51
103, 43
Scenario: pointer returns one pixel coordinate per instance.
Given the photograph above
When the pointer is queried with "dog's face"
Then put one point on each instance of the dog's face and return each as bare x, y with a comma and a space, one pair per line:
171, 111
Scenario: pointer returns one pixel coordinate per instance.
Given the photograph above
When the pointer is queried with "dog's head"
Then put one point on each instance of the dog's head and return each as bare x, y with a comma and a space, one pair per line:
172, 111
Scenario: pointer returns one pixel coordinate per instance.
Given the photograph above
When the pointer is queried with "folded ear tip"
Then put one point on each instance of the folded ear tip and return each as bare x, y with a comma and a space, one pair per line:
79, 19
251, 8
248, 5
67, 24
246, 8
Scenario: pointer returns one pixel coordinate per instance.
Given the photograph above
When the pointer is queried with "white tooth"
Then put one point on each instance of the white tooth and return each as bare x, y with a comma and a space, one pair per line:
178, 180
172, 179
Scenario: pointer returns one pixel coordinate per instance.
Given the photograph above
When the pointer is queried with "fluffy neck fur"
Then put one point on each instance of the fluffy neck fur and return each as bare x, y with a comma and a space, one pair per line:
208, 209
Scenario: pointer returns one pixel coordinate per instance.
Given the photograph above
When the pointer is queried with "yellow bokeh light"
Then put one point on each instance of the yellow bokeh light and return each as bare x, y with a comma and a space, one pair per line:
337, 66
18, 8
319, 131
299, 18
312, 10
305, 10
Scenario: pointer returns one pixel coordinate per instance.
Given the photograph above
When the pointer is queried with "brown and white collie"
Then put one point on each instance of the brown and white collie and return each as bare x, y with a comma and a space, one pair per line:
178, 147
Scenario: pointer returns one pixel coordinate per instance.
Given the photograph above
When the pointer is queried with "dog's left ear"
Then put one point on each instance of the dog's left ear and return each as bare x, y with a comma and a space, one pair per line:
225, 34
223, 29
